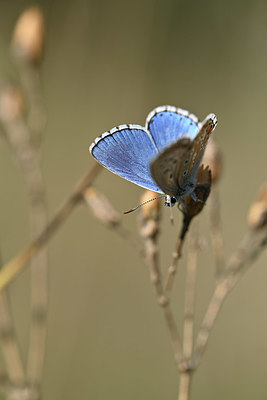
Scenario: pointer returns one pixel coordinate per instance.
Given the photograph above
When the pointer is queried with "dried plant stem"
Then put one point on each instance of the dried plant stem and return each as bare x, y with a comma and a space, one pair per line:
185, 385
155, 276
30, 77
216, 231
173, 267
27, 156
250, 248
190, 287
31, 82
149, 230
188, 328
9, 344
16, 265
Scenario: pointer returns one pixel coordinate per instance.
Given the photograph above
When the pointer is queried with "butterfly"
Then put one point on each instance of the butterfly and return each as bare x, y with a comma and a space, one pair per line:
164, 156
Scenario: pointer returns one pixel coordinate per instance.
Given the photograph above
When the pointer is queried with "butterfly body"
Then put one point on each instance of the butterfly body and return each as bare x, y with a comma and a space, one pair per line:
164, 156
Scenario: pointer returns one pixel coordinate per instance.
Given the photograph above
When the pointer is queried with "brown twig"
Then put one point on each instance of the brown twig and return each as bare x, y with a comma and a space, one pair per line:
149, 229
216, 231
27, 156
188, 328
185, 384
190, 287
176, 255
31, 81
9, 343
155, 276
16, 265
30, 167
250, 248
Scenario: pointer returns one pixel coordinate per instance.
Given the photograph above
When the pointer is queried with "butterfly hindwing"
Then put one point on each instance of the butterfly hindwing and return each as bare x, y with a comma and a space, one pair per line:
189, 171
127, 150
165, 167
167, 124
164, 156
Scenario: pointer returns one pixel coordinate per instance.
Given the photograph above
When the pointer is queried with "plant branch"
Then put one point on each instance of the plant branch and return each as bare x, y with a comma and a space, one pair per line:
16, 265
216, 231
149, 229
9, 343
176, 255
188, 328
250, 248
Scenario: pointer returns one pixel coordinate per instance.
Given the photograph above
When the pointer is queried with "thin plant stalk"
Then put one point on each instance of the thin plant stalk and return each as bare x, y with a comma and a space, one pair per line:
185, 385
149, 230
9, 342
174, 263
189, 310
250, 248
216, 231
12, 268
27, 156
156, 279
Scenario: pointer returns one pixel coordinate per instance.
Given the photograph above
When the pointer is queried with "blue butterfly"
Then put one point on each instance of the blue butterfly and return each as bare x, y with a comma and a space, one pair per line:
164, 156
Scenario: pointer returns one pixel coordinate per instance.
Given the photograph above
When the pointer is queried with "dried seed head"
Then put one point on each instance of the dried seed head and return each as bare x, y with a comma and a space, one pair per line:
11, 102
150, 210
257, 215
28, 36
101, 207
201, 192
213, 158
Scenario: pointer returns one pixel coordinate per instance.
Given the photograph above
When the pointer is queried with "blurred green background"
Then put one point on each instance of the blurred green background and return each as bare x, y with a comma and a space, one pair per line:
107, 63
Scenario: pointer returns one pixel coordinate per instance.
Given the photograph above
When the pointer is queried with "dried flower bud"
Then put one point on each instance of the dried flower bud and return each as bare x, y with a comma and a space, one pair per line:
28, 36
11, 102
257, 215
213, 158
201, 192
152, 208
101, 207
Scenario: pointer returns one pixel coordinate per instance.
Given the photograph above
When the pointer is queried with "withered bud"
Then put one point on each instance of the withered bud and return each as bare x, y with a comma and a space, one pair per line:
11, 102
150, 210
101, 207
28, 36
257, 215
201, 192
213, 159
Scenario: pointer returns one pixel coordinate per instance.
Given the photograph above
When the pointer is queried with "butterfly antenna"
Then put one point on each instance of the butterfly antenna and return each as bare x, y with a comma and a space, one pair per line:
140, 205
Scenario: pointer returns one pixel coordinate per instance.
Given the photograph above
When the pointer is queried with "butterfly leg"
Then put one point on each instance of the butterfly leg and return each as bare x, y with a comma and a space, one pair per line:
181, 206
195, 198
203, 184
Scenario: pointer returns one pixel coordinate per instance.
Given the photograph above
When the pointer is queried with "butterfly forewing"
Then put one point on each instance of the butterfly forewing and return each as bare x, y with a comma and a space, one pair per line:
189, 170
168, 124
165, 167
164, 156
127, 151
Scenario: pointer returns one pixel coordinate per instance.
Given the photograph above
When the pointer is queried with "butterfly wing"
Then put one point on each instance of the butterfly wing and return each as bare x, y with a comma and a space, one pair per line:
164, 168
189, 169
167, 124
127, 150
